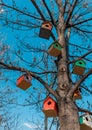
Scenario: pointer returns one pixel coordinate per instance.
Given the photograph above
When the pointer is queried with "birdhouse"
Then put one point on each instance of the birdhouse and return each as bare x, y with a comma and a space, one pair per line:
85, 122
23, 82
55, 49
77, 94
50, 107
79, 67
45, 30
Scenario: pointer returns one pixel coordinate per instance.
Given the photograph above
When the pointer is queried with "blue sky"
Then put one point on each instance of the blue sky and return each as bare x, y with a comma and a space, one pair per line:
28, 113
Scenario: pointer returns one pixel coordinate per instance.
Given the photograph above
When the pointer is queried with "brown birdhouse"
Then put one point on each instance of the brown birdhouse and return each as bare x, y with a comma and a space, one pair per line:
45, 30
55, 49
77, 94
50, 107
79, 67
24, 81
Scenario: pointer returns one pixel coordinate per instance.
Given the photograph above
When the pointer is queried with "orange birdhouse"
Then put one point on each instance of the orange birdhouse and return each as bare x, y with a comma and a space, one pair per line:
45, 30
77, 94
50, 107
23, 82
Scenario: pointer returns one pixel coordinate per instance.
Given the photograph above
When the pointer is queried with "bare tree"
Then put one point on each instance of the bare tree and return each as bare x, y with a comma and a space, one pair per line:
70, 18
8, 119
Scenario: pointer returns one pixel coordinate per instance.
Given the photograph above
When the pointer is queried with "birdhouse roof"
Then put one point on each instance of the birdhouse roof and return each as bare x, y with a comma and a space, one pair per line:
85, 115
81, 61
45, 22
56, 42
49, 98
20, 77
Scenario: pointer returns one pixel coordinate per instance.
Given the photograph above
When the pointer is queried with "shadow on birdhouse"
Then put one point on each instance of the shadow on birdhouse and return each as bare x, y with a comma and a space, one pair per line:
55, 49
24, 82
77, 94
50, 107
85, 122
45, 30
79, 67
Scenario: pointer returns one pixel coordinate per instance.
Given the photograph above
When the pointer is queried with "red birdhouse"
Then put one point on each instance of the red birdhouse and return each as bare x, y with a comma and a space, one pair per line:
77, 94
50, 107
45, 30
23, 82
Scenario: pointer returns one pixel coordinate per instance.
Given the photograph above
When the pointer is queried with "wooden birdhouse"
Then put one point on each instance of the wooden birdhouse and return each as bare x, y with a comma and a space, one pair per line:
85, 122
55, 49
79, 67
24, 81
77, 94
50, 107
45, 30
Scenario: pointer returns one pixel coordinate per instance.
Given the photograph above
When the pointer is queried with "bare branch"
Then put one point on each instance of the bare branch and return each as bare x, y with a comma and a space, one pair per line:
41, 14
39, 11
72, 44
80, 57
66, 2
84, 110
86, 89
83, 78
61, 23
71, 11
20, 11
81, 22
50, 14
82, 30
80, 15
9, 67
79, 82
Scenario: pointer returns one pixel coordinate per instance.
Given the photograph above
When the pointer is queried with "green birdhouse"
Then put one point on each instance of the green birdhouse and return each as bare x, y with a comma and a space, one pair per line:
85, 122
79, 67
55, 49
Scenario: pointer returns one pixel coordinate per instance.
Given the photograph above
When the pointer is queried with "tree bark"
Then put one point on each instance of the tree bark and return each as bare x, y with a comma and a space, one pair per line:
46, 123
68, 115
68, 112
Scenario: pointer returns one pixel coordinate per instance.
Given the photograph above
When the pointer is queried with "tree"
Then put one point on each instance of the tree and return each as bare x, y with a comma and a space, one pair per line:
8, 120
70, 18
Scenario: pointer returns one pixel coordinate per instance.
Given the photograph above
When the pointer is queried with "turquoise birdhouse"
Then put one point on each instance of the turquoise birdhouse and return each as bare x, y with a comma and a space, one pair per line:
79, 67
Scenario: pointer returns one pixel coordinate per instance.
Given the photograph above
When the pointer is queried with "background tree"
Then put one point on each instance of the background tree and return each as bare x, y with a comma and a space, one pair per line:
72, 25
8, 119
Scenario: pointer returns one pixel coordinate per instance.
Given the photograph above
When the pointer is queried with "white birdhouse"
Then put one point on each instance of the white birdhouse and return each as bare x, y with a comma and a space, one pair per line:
85, 122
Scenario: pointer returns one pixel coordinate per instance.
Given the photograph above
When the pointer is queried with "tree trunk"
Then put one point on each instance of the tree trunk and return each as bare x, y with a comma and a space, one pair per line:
68, 115
46, 123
